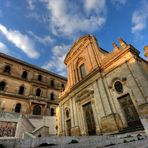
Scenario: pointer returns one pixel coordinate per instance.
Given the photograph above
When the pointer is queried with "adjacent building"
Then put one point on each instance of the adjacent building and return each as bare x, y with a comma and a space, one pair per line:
106, 92
29, 91
146, 51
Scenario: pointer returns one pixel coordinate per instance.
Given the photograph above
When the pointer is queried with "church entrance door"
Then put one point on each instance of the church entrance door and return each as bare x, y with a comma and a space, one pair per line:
130, 111
68, 123
89, 118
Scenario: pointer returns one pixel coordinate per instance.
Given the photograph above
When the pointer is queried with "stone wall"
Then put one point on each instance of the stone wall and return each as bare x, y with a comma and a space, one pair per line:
48, 121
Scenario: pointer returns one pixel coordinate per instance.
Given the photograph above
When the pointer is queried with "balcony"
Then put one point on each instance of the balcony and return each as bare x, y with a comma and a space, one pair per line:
46, 83
12, 94
40, 98
33, 97
43, 82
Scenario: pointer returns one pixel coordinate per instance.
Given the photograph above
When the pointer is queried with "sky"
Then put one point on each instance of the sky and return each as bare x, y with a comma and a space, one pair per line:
41, 32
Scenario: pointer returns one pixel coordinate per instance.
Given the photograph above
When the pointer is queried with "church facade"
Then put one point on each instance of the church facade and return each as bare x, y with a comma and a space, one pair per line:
29, 91
106, 92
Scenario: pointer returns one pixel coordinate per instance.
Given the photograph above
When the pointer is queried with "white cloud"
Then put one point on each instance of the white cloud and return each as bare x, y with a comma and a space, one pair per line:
57, 61
140, 19
31, 4
69, 17
3, 48
21, 41
33, 15
44, 40
119, 2
94, 5
43, 19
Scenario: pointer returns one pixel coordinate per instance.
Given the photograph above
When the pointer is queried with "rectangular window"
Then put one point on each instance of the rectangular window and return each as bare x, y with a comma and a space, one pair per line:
82, 71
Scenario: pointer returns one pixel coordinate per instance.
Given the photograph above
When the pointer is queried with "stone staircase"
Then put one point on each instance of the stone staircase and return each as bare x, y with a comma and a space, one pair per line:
114, 141
131, 129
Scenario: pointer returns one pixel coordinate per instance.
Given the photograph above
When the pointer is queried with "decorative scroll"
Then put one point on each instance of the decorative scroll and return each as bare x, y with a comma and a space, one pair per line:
7, 129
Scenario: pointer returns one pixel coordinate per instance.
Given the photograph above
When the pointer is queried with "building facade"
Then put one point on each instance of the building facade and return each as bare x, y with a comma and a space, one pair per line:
106, 92
29, 90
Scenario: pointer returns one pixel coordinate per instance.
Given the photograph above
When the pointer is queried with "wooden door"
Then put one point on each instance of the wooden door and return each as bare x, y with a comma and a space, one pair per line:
89, 118
68, 122
130, 111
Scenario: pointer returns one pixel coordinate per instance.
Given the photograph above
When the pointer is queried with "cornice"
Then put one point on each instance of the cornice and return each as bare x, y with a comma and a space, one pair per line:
27, 98
31, 66
77, 43
114, 56
31, 81
81, 82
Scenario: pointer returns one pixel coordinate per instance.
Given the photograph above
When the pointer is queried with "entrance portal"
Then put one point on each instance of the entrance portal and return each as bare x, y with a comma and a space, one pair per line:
68, 123
89, 117
130, 111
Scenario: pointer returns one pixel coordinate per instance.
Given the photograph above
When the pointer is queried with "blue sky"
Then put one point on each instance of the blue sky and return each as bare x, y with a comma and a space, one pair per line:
42, 31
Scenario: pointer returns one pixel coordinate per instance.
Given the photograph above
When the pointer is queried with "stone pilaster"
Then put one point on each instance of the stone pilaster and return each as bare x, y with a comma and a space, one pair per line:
144, 116
75, 130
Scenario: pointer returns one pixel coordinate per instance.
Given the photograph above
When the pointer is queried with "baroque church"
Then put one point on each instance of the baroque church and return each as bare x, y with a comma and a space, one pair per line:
106, 92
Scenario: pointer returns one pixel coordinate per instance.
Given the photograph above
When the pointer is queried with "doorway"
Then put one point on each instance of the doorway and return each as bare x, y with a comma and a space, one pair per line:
89, 118
130, 111
68, 123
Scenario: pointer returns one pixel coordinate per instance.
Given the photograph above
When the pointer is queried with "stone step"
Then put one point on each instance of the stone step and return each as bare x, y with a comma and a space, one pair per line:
131, 129
132, 141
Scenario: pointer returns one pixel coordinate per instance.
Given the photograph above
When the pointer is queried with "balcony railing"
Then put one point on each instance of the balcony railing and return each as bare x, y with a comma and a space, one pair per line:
47, 83
13, 94
42, 98
43, 82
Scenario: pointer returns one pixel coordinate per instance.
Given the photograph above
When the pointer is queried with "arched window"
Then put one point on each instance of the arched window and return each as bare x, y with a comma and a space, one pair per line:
52, 112
38, 92
52, 96
37, 110
18, 107
7, 69
82, 71
24, 75
2, 85
39, 78
21, 90
67, 113
52, 82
